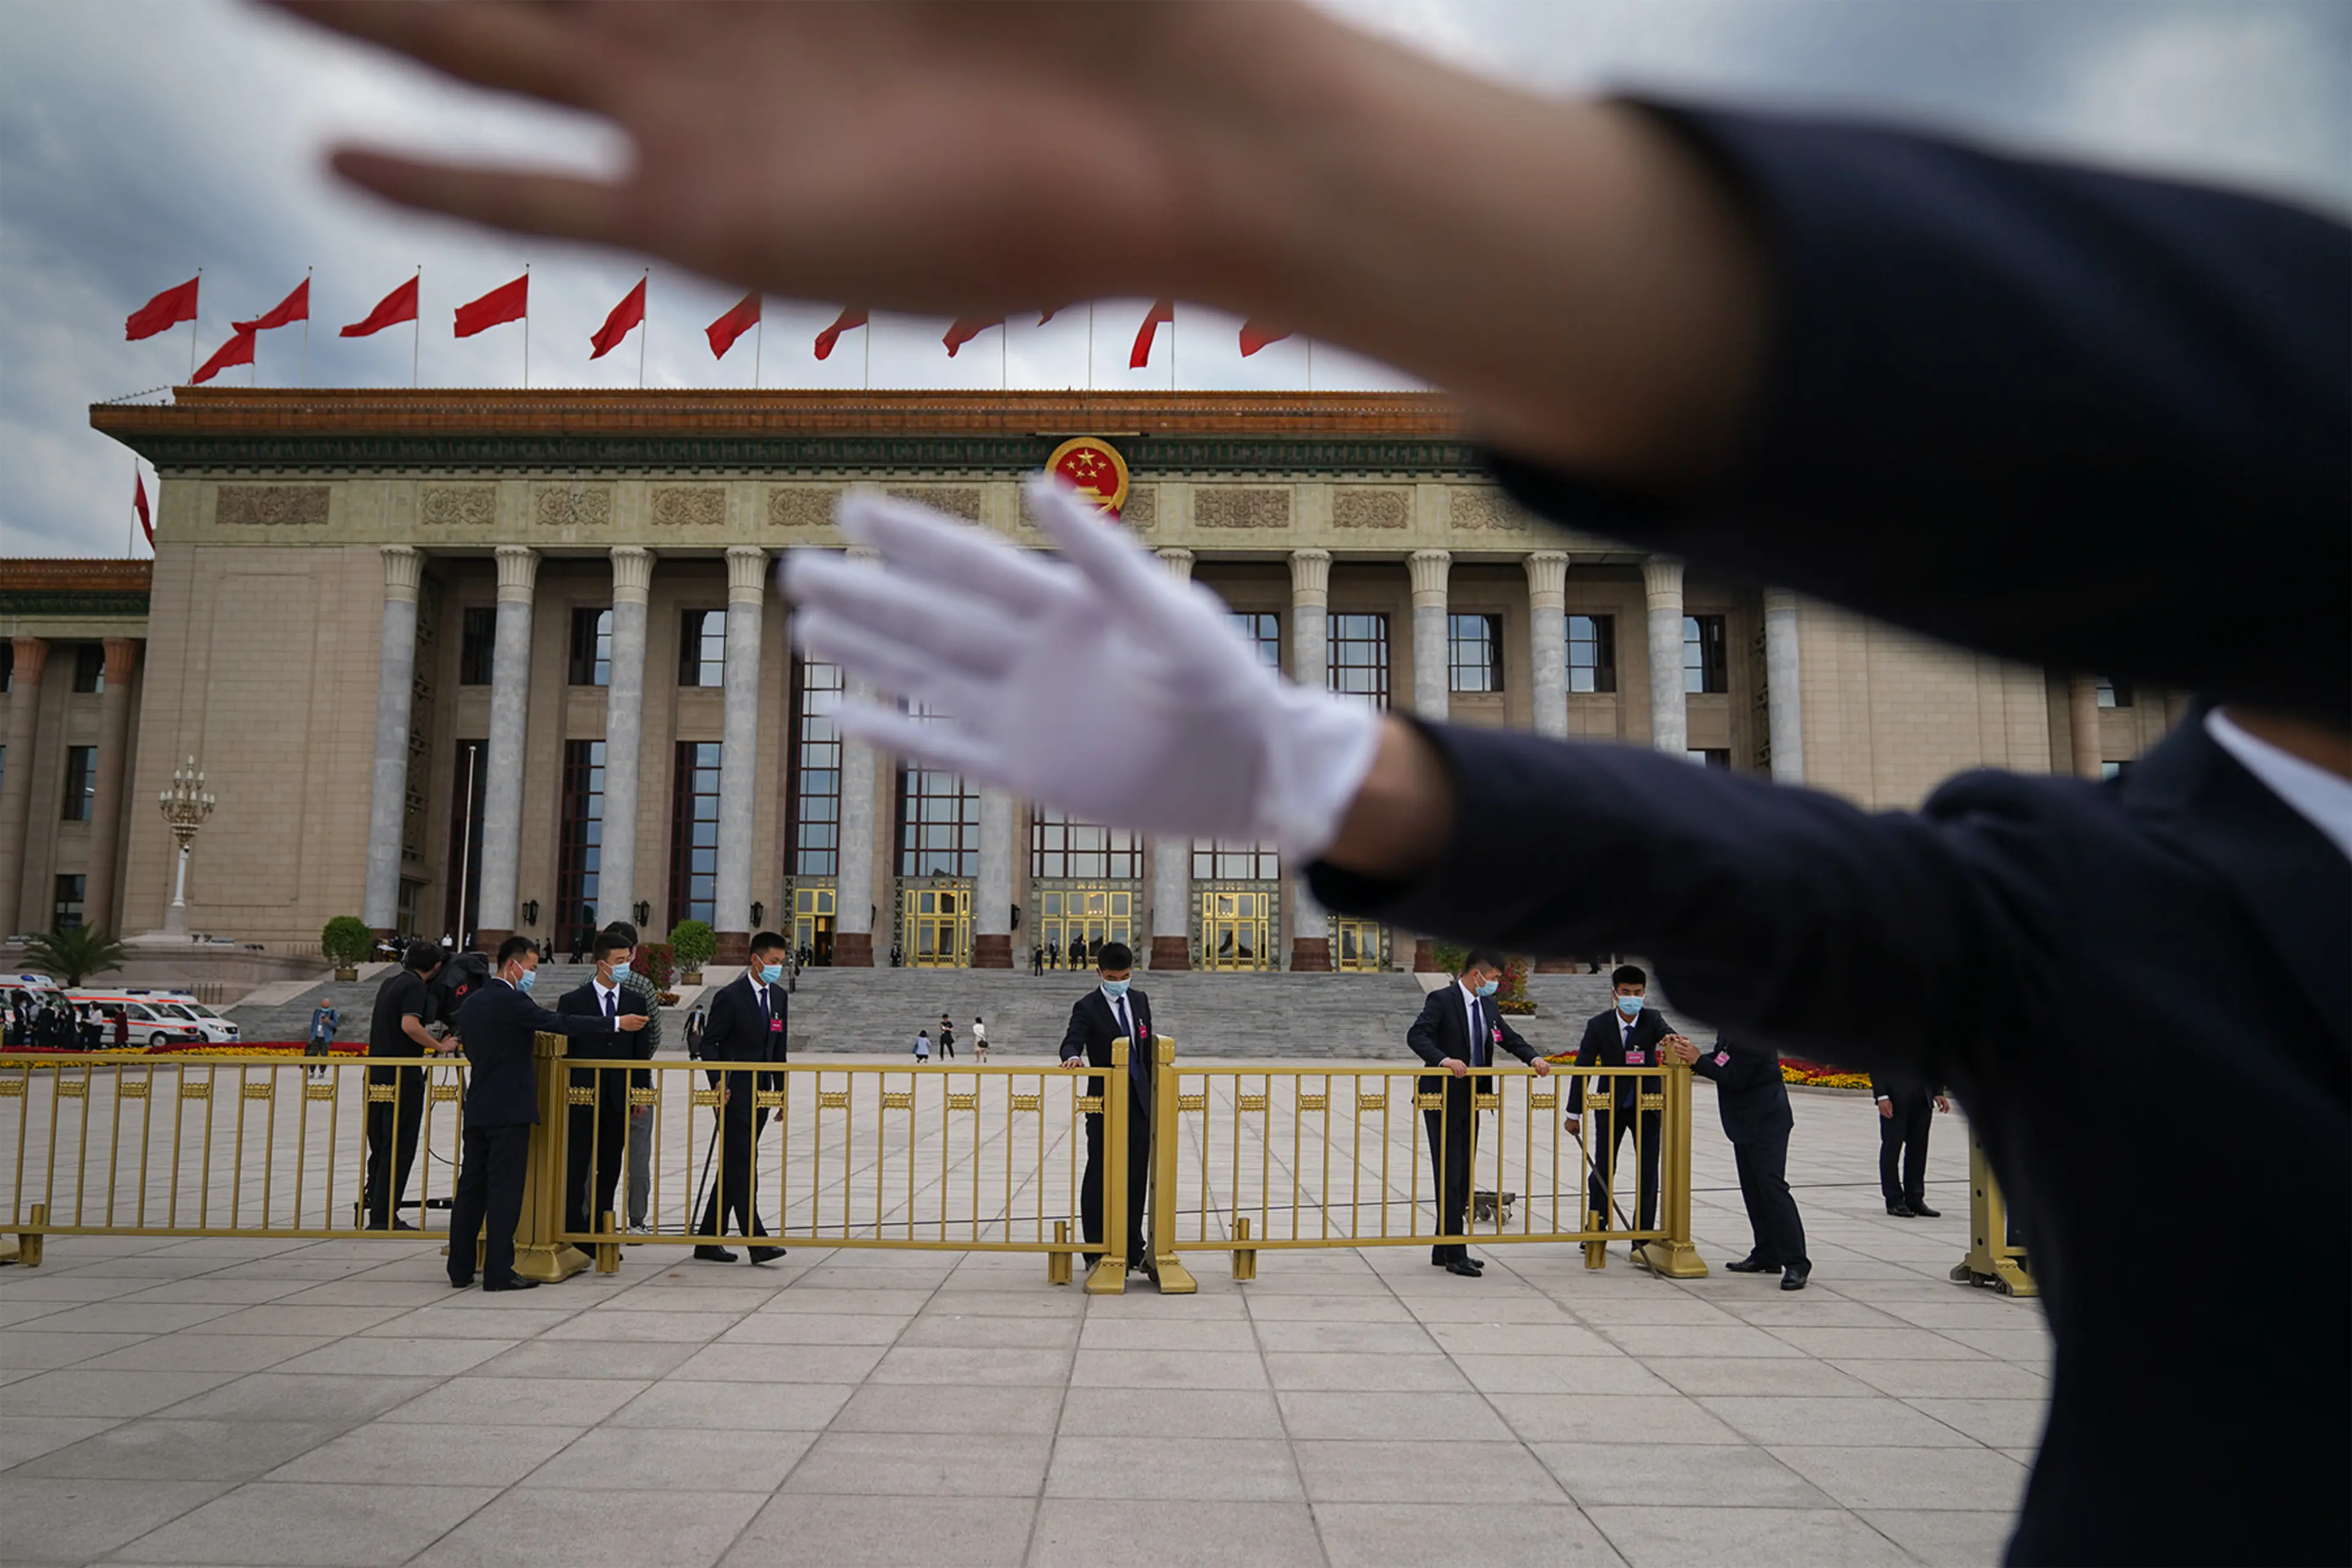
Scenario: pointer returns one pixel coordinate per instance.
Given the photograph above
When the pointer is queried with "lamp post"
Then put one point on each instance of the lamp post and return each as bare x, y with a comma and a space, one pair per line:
186, 806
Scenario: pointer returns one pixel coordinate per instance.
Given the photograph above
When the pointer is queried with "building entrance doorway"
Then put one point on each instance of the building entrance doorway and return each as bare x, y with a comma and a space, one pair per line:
1357, 945
812, 924
1236, 930
1095, 915
936, 926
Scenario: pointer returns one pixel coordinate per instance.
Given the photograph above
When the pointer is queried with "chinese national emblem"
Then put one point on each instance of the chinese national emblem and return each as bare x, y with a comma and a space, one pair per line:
1093, 469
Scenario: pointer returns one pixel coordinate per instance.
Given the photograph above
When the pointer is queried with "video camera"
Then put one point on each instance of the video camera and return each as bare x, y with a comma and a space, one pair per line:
463, 974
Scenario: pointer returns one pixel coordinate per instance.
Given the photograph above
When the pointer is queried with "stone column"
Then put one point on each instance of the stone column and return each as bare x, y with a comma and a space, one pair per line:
625, 701
1172, 859
98, 902
739, 753
1432, 674
1783, 693
1547, 640
502, 766
1310, 599
852, 879
991, 891
16, 782
395, 686
2083, 712
1662, 579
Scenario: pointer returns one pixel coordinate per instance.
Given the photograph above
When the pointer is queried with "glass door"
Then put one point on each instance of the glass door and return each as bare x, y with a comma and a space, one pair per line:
1236, 930
938, 926
1356, 944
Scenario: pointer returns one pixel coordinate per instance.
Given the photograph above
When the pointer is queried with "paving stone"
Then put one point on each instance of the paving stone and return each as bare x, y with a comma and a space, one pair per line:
339, 1526
853, 1532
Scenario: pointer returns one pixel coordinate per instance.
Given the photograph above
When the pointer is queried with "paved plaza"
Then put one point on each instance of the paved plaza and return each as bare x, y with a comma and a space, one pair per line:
221, 1402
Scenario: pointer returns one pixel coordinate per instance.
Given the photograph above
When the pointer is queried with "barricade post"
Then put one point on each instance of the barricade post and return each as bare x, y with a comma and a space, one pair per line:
1674, 1257
1996, 1259
1108, 1277
539, 1254
1174, 1279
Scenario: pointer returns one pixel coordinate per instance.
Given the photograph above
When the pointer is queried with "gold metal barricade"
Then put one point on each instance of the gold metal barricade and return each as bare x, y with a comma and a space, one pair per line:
1997, 1259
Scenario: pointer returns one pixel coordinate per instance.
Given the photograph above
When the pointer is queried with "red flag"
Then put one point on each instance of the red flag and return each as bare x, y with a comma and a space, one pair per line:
166, 310
506, 302
238, 350
395, 308
1141, 356
295, 307
852, 317
139, 504
723, 331
1257, 334
1049, 312
626, 316
967, 328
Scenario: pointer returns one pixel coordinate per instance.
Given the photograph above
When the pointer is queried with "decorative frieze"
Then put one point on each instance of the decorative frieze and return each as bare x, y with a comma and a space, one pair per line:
1239, 506
802, 506
460, 506
688, 506
272, 506
1488, 510
571, 506
1365, 506
956, 500
1142, 508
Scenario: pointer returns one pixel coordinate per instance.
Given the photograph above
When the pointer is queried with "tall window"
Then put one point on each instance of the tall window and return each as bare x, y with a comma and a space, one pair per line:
64, 909
7, 665
89, 667
2114, 693
1474, 653
1593, 653
1218, 861
702, 647
1061, 847
477, 645
1703, 669
694, 832
1358, 657
939, 825
580, 847
816, 772
81, 782
592, 648
1264, 628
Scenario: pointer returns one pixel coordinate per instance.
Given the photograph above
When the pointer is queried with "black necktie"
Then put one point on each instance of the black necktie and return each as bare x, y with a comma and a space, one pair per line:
611, 1006
1481, 1042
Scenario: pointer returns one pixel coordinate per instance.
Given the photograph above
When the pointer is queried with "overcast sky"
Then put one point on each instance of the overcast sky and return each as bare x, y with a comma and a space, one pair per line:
142, 139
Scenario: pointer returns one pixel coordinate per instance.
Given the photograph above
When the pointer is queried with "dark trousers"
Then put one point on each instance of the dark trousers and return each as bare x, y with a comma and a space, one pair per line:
1902, 1141
1611, 1131
1139, 1176
1772, 1208
731, 1197
1449, 1166
489, 1193
392, 1141
594, 1139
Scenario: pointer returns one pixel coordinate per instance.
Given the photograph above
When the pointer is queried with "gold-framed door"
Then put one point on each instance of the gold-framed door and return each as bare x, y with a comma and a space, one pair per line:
1236, 930
1357, 945
1097, 914
936, 923
813, 912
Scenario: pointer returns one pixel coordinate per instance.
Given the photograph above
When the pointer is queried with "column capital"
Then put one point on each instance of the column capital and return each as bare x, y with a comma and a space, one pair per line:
32, 658
632, 573
1662, 579
747, 574
122, 657
1546, 579
404, 572
1179, 561
518, 573
1430, 570
1310, 576
1779, 600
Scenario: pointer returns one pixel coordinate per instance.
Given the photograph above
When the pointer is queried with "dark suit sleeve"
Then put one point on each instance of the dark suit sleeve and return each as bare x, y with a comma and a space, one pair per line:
1423, 1037
1588, 1055
1074, 1038
2040, 371
1511, 1040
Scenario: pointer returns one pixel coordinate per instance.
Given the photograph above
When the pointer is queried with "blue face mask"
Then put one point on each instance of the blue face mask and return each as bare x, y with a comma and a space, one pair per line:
770, 974
1488, 987
1114, 989
1630, 1005
620, 972
526, 980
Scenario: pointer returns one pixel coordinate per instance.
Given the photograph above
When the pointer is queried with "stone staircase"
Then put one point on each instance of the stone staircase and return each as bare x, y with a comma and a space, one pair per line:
260, 1023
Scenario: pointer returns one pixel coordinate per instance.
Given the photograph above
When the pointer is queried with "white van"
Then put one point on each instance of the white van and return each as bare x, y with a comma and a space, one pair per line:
149, 1026
37, 986
184, 1004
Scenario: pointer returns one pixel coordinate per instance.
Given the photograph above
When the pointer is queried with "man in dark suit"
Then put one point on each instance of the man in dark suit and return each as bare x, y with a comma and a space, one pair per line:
1906, 1114
1753, 1101
404, 1007
747, 1028
597, 1134
1115, 1010
1631, 1034
1460, 1030
498, 1023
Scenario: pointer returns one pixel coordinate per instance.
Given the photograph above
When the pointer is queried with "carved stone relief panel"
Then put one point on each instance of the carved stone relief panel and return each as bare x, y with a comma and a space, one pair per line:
956, 500
571, 505
689, 506
1486, 510
272, 506
460, 506
802, 506
1142, 508
1238, 506
1365, 506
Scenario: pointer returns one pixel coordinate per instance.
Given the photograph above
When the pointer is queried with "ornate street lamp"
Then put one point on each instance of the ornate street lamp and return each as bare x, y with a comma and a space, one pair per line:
187, 804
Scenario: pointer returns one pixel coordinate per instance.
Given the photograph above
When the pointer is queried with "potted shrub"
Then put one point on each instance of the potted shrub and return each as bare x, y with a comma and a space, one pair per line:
693, 944
347, 943
654, 963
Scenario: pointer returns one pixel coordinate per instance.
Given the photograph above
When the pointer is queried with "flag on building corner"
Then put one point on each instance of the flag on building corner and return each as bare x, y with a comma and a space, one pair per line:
1162, 312
395, 308
139, 504
852, 317
723, 331
165, 311
506, 302
627, 316
238, 350
1257, 334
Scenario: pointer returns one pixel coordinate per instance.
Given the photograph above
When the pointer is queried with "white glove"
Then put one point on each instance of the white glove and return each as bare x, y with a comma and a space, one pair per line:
1095, 683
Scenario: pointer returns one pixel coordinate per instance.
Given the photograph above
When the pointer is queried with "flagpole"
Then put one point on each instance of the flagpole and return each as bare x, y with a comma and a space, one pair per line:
1090, 345
305, 324
645, 328
192, 324
417, 336
759, 341
869, 330
127, 551
1171, 346
525, 326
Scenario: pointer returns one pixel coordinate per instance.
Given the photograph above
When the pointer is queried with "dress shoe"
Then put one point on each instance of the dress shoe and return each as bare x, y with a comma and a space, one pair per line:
1750, 1264
458, 1284
516, 1283
1477, 1264
1901, 1210
1924, 1212
1793, 1278
713, 1255
1464, 1267
765, 1254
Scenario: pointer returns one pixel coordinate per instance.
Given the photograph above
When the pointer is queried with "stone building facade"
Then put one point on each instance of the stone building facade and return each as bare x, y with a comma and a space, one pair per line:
471, 662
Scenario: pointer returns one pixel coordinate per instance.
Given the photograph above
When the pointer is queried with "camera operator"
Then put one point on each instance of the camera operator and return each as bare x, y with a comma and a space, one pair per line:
404, 1006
